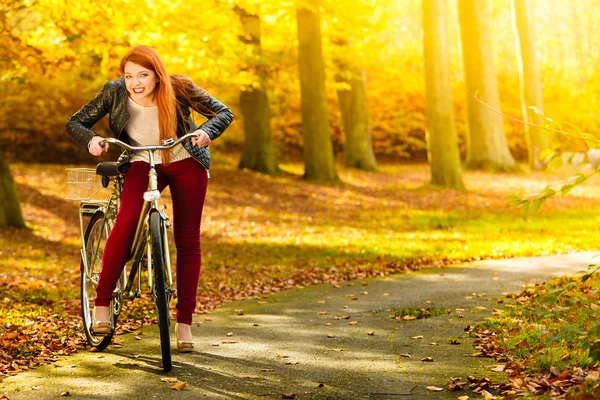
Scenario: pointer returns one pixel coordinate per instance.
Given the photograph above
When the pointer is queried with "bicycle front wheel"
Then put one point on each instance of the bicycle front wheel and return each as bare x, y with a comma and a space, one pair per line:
161, 292
94, 242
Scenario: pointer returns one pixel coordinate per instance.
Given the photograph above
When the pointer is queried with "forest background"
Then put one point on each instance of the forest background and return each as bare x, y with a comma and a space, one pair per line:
56, 54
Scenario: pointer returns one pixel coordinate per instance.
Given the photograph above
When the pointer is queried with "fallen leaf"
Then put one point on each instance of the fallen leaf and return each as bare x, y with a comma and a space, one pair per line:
252, 377
468, 297
365, 283
328, 324
321, 302
352, 322
480, 308
409, 317
434, 388
371, 333
322, 313
230, 334
364, 293
463, 398
385, 294
63, 394
417, 337
93, 349
405, 355
499, 368
455, 341
262, 302
432, 343
267, 370
330, 335
427, 359
345, 317
228, 341
486, 394
593, 376
339, 349
179, 386
138, 338
170, 380
292, 362
289, 395
208, 319
281, 356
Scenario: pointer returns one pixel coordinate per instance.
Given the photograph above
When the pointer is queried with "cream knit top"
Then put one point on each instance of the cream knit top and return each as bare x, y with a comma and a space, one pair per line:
142, 129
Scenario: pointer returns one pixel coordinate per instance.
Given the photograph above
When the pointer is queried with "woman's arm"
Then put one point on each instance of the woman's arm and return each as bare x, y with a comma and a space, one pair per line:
218, 114
79, 126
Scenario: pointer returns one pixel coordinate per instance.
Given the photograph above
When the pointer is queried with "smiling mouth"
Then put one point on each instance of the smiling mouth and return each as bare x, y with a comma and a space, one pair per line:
138, 90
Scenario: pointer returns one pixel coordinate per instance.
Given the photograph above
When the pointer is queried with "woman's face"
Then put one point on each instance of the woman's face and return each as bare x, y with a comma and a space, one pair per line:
140, 83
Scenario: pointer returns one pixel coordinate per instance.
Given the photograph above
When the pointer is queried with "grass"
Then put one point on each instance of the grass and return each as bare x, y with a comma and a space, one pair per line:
262, 234
419, 313
547, 335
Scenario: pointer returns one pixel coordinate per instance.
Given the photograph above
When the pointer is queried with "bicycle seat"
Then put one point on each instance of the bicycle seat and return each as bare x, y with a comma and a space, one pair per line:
107, 168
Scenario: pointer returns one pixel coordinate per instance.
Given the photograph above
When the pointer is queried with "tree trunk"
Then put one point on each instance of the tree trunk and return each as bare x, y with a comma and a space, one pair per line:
258, 153
441, 137
358, 150
529, 75
10, 210
487, 148
318, 149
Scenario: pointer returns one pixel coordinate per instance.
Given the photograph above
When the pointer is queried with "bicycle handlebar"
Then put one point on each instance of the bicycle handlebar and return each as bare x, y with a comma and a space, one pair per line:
125, 146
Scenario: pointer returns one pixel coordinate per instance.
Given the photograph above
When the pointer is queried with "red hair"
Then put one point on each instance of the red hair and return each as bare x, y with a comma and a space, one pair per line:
166, 101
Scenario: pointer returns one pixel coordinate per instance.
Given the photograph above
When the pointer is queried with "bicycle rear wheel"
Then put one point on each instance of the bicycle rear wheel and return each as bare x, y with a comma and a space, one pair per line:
161, 292
94, 242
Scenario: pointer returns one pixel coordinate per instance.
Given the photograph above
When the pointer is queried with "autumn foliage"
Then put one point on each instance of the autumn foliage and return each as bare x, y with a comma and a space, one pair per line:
56, 55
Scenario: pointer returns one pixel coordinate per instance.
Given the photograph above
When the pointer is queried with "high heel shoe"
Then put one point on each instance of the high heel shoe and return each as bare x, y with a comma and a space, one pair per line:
100, 327
183, 346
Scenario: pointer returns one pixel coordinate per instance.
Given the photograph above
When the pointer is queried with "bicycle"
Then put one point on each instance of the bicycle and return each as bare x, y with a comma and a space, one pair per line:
150, 248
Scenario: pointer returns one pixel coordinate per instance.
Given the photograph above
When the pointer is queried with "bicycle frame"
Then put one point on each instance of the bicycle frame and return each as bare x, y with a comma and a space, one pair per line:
141, 237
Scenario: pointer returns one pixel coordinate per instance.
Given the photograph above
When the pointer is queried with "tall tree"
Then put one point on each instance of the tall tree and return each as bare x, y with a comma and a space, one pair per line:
487, 148
352, 96
529, 75
10, 210
441, 137
258, 153
318, 149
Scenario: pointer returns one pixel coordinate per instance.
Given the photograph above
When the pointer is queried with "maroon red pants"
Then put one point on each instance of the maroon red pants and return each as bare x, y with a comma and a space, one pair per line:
188, 181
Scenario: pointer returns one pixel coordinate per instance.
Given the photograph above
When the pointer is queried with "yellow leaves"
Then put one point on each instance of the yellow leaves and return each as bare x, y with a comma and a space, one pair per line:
434, 388
179, 386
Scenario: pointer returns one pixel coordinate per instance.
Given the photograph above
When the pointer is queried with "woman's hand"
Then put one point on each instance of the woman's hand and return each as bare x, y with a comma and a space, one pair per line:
95, 148
202, 140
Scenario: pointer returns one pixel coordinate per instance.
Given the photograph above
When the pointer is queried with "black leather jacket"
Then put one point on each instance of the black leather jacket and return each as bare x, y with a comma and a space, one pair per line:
112, 99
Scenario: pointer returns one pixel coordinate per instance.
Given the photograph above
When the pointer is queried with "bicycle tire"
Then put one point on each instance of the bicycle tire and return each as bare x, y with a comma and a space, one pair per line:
161, 290
94, 242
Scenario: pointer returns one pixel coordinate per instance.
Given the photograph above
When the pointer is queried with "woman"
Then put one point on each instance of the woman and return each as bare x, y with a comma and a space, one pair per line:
147, 105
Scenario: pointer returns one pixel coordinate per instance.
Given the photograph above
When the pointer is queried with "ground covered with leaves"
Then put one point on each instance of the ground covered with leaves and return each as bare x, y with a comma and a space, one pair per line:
263, 234
548, 339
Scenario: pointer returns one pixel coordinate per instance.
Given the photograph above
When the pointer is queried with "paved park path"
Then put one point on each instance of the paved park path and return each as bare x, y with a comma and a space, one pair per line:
282, 345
